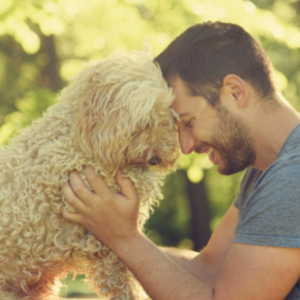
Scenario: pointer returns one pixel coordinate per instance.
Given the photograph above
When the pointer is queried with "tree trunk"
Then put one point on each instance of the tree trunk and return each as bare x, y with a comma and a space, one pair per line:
50, 72
200, 214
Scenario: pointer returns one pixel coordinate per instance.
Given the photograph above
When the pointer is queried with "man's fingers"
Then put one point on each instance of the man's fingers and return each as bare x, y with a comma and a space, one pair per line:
78, 186
72, 217
127, 187
72, 199
97, 182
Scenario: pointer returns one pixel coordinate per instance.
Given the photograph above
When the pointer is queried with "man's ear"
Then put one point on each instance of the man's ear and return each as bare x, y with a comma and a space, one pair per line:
236, 89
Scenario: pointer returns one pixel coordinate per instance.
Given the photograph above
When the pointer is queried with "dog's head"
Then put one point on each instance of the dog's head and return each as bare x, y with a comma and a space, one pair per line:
123, 115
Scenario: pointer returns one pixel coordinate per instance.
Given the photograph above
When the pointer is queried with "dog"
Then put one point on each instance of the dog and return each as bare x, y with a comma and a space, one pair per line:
114, 114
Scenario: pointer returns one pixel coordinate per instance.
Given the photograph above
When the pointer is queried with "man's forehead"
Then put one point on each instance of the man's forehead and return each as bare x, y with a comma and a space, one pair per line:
184, 104
183, 115
179, 90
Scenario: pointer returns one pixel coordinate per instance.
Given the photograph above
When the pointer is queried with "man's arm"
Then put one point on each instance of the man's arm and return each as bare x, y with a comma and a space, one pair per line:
207, 264
246, 272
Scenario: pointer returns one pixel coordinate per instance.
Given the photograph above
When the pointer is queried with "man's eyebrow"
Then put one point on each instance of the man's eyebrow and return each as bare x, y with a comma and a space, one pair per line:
180, 116
183, 115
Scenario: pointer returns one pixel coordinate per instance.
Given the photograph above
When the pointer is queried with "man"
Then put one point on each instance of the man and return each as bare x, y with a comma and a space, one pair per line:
231, 108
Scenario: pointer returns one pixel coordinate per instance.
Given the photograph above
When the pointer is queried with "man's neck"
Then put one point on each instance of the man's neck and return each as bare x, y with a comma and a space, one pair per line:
271, 128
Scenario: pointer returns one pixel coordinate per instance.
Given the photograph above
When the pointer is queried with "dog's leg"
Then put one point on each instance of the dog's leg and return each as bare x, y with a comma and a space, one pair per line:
112, 279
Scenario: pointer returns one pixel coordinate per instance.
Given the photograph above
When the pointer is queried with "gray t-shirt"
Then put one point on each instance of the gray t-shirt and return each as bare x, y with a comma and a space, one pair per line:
269, 203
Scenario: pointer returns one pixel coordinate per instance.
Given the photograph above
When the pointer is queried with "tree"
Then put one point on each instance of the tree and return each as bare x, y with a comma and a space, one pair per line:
43, 43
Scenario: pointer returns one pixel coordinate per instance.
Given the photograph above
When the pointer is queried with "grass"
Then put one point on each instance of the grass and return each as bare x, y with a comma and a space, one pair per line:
76, 288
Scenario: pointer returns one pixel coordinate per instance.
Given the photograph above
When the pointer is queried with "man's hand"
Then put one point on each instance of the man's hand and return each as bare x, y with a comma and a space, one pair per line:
111, 217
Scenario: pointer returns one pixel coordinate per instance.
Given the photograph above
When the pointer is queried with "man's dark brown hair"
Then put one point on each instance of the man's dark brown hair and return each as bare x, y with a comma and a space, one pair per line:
205, 53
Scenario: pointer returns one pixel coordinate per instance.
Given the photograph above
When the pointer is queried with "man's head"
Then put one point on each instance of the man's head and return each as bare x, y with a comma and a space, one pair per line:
198, 64
215, 130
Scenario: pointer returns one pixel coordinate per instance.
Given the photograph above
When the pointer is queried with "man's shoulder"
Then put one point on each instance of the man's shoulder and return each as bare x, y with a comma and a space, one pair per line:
290, 151
283, 173
285, 168
287, 165
283, 176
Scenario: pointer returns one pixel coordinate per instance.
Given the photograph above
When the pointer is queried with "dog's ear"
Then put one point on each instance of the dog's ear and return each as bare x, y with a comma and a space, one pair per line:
117, 97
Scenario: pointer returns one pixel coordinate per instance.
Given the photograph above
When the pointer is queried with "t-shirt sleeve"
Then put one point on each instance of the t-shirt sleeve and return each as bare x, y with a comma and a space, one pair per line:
271, 214
236, 202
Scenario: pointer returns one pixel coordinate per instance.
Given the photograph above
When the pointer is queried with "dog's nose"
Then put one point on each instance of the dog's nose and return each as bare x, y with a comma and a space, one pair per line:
154, 161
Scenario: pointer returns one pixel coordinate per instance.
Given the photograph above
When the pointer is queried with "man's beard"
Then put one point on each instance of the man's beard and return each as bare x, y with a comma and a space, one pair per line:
232, 140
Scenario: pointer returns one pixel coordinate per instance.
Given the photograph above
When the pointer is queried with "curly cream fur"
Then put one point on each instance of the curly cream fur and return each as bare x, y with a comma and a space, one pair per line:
113, 115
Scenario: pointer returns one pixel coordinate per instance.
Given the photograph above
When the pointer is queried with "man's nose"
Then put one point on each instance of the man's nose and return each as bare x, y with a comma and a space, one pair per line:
186, 141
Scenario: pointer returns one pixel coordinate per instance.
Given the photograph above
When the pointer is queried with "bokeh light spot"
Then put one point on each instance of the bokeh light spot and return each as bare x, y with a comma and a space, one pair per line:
195, 173
249, 7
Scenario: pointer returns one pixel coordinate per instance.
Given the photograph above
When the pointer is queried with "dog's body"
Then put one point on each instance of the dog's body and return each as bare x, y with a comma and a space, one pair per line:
115, 115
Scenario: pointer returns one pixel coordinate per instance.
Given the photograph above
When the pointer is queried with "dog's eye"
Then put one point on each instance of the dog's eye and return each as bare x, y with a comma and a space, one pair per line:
154, 161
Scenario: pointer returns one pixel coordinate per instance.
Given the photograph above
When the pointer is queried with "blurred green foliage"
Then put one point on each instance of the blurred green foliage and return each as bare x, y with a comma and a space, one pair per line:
43, 43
